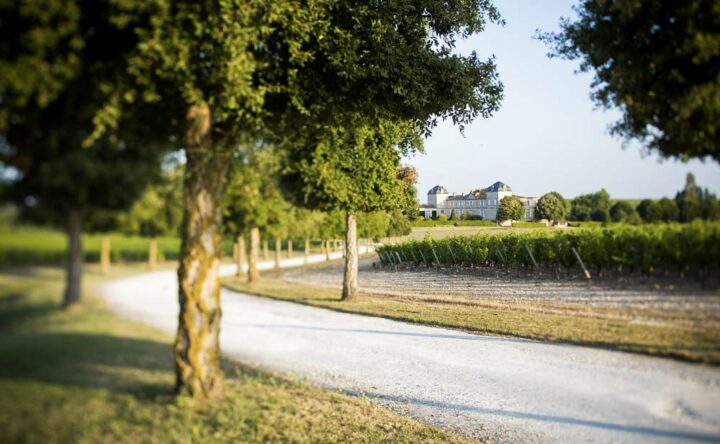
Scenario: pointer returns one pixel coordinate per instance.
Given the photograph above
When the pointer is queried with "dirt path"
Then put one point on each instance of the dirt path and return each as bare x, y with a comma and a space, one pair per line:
505, 390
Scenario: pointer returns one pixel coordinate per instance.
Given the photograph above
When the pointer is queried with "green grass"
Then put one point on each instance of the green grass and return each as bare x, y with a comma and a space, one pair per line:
421, 223
88, 376
579, 326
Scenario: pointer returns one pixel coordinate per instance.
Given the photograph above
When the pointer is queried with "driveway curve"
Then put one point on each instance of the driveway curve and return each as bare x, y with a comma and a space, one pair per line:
486, 387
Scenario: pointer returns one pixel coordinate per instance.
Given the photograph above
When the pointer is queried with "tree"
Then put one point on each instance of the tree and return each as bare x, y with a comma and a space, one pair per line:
408, 178
650, 211
253, 201
670, 210
710, 206
353, 170
623, 211
453, 215
593, 206
511, 208
236, 72
551, 206
689, 200
57, 65
655, 61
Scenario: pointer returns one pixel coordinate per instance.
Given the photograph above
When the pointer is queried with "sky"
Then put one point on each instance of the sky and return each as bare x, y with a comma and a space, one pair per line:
548, 134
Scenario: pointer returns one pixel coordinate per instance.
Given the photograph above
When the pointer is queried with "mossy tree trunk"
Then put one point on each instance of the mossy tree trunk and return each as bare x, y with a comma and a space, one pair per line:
105, 255
289, 248
350, 276
197, 348
74, 259
253, 273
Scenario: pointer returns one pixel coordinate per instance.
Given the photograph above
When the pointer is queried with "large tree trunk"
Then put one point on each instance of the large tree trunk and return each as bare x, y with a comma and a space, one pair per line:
253, 273
350, 277
240, 258
74, 259
197, 349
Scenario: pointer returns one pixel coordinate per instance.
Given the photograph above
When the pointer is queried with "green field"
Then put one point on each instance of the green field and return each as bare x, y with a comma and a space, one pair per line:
87, 376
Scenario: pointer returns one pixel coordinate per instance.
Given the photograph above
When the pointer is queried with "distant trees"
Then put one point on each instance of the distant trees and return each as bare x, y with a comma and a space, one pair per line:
551, 206
453, 215
511, 208
623, 211
593, 206
670, 210
657, 63
650, 211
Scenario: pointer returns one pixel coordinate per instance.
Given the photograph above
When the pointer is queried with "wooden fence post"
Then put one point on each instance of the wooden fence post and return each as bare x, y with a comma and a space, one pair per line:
105, 255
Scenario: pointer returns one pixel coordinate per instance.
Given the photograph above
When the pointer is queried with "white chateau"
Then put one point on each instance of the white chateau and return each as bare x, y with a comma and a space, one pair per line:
483, 203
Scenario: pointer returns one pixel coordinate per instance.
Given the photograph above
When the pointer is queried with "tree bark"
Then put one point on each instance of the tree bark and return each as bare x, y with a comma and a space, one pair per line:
326, 245
289, 248
253, 273
152, 254
240, 255
307, 250
105, 255
197, 349
266, 250
278, 250
350, 277
74, 259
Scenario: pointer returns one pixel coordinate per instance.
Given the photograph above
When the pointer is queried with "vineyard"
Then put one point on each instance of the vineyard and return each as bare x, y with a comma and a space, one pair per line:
665, 250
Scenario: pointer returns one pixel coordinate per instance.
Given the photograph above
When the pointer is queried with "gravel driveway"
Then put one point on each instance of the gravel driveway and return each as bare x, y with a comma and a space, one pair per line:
501, 389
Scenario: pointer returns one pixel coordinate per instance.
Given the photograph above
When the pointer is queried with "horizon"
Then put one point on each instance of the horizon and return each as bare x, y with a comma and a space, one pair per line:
547, 120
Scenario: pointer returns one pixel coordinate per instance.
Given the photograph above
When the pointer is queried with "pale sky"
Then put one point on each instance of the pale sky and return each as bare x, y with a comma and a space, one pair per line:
548, 135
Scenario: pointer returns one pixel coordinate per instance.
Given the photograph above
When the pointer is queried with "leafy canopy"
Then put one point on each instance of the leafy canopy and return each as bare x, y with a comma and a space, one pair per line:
658, 62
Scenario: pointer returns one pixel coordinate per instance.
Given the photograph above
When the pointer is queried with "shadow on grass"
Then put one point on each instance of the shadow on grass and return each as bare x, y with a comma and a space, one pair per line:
139, 367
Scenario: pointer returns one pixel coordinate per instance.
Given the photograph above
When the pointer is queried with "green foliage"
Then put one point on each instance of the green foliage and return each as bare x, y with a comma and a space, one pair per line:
689, 200
158, 211
551, 206
650, 211
678, 248
593, 206
670, 210
656, 61
461, 223
253, 198
442, 218
511, 208
623, 211
453, 216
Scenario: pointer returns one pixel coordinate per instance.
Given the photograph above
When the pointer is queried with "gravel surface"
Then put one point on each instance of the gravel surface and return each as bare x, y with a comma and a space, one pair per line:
683, 302
500, 389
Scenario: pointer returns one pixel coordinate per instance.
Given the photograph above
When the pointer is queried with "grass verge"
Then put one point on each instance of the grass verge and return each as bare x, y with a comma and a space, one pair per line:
88, 376
688, 343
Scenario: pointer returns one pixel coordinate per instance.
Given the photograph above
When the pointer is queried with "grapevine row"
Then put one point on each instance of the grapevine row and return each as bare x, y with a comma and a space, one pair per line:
675, 248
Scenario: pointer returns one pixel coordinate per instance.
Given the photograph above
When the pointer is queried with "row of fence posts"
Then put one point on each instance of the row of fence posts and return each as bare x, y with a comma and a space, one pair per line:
105, 256
327, 247
396, 257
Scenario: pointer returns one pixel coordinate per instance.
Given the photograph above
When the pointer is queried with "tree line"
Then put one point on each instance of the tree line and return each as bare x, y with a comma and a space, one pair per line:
690, 203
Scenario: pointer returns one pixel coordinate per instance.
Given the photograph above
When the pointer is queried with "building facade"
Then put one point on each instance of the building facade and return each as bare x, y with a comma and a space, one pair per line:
479, 203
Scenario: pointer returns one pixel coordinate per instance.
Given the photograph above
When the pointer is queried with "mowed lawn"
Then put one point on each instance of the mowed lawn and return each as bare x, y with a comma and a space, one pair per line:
686, 342
87, 376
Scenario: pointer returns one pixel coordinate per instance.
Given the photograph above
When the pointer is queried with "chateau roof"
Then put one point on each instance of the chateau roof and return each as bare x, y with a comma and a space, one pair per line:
498, 186
438, 189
